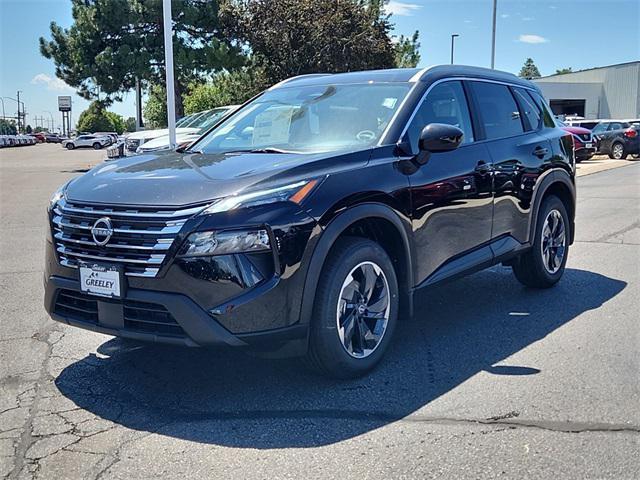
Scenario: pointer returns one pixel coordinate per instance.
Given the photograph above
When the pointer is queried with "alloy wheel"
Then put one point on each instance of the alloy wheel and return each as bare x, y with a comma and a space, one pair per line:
618, 151
554, 240
363, 309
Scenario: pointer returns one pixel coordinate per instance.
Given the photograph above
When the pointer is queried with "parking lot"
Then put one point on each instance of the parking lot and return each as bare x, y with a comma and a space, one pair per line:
489, 379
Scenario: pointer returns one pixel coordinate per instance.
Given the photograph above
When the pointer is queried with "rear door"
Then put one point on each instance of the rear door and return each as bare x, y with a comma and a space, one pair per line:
512, 125
451, 195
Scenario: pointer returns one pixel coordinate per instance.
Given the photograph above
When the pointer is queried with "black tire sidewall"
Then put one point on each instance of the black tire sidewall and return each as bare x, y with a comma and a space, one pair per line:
325, 340
551, 203
97, 146
70, 146
613, 151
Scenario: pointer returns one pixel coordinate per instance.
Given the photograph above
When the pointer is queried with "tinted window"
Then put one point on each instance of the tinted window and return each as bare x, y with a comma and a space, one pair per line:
530, 110
547, 117
601, 127
445, 103
616, 126
498, 110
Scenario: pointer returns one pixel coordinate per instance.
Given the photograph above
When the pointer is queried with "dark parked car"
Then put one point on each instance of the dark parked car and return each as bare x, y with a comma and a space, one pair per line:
308, 221
52, 138
617, 138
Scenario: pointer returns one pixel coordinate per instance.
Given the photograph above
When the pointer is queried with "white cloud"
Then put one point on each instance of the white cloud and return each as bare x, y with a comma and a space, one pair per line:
400, 8
528, 38
52, 84
505, 15
468, 21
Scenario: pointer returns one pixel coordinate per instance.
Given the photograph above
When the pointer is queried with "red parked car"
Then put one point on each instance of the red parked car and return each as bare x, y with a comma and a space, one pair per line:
40, 136
584, 142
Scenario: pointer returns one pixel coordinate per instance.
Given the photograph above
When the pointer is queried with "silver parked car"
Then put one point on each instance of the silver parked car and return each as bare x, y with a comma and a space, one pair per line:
94, 141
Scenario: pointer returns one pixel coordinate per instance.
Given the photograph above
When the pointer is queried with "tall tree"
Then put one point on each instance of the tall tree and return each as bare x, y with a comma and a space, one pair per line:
529, 70
155, 108
113, 42
8, 127
562, 71
228, 88
407, 51
293, 37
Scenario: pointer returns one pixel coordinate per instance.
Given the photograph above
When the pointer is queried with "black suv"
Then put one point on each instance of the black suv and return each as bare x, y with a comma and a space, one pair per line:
307, 222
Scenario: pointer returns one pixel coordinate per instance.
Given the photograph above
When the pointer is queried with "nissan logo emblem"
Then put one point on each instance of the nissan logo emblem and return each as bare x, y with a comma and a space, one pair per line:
102, 231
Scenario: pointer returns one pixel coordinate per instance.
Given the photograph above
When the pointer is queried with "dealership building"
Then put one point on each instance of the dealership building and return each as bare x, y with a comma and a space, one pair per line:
603, 92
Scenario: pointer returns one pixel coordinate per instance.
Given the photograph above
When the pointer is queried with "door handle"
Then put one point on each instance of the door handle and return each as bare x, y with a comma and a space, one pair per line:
540, 152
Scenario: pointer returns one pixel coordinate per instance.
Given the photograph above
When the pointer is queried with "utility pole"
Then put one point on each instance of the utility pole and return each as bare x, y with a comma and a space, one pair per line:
453, 37
18, 110
493, 35
168, 63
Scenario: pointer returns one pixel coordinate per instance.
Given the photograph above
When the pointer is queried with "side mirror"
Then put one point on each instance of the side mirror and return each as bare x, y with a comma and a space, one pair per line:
440, 137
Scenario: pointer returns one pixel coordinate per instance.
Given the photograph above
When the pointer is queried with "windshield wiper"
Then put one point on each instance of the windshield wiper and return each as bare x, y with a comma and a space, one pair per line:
263, 150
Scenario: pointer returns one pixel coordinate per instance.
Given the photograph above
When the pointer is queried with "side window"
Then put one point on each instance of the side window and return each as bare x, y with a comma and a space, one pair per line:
498, 110
445, 103
615, 126
547, 117
599, 128
531, 111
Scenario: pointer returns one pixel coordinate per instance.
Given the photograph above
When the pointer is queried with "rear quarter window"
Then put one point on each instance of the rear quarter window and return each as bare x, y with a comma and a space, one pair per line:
499, 113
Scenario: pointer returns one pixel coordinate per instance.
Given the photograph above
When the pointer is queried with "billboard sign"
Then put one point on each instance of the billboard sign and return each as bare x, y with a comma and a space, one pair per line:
64, 103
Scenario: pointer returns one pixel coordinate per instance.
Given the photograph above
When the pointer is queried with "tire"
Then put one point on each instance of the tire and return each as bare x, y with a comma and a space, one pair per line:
617, 151
532, 268
70, 146
330, 352
97, 146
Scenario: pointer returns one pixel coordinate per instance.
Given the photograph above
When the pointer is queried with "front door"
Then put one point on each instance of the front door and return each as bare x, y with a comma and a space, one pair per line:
451, 195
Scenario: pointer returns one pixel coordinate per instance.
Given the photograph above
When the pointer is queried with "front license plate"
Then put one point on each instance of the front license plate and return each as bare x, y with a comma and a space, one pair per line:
588, 145
102, 280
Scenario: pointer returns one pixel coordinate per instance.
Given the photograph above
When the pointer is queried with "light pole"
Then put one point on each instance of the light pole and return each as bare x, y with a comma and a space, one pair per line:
18, 100
453, 37
51, 115
168, 67
2, 100
493, 35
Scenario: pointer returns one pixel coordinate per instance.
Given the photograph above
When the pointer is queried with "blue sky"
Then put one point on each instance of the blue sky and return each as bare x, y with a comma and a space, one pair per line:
555, 33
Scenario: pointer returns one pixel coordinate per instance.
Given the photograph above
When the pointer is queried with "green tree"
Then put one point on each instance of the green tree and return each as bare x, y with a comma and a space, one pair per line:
130, 124
112, 42
407, 51
116, 121
155, 108
529, 70
40, 129
293, 37
562, 71
94, 119
228, 88
29, 129
8, 127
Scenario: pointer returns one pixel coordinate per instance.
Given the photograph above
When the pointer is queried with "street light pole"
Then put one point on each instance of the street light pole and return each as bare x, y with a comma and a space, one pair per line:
453, 37
168, 64
493, 35
18, 110
3, 115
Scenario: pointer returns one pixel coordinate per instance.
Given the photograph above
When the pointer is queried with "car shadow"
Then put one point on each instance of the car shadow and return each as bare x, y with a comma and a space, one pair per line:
232, 399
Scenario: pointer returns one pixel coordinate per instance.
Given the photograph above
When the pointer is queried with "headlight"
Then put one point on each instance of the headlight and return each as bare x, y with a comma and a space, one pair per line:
294, 192
224, 243
57, 196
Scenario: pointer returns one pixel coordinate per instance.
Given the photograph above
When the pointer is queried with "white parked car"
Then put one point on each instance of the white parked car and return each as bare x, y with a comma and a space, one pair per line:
200, 125
94, 141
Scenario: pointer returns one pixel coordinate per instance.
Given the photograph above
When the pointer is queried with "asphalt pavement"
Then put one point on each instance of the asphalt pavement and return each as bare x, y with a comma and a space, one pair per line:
490, 379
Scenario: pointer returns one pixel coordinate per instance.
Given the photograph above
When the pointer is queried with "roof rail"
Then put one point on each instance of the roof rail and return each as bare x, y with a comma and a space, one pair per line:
418, 75
306, 75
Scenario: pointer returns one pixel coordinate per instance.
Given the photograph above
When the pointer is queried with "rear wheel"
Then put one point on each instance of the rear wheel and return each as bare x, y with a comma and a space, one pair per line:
617, 151
544, 264
355, 309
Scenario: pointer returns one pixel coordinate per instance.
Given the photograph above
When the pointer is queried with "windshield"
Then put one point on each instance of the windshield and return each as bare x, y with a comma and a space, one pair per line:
307, 119
204, 123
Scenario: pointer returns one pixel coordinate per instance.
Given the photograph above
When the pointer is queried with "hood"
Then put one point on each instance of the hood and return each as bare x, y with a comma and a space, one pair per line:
577, 130
162, 142
176, 179
149, 134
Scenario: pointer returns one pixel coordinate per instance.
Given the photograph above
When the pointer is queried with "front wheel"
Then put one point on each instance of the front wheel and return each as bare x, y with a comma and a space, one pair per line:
97, 146
355, 309
544, 264
70, 146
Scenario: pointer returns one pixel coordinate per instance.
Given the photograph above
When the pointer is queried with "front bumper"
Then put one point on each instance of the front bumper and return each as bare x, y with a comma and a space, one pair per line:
585, 153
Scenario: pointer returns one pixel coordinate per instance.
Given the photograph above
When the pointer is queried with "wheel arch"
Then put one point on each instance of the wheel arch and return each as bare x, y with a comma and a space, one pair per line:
559, 183
375, 221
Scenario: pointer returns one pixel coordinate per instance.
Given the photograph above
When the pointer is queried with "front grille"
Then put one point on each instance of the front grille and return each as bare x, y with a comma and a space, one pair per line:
150, 318
76, 305
140, 240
